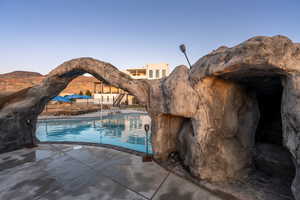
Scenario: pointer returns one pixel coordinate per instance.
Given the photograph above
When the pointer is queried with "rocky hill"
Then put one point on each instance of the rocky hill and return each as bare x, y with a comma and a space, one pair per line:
20, 74
17, 80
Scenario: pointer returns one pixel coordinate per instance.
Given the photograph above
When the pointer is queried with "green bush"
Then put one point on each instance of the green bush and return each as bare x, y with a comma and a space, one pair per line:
88, 93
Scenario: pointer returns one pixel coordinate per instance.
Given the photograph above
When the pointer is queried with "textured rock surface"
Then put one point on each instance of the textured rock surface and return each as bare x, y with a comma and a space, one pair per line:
165, 130
180, 99
259, 55
224, 128
291, 124
208, 114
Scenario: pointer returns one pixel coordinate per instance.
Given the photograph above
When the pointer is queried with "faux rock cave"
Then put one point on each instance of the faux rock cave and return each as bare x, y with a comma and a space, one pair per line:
232, 115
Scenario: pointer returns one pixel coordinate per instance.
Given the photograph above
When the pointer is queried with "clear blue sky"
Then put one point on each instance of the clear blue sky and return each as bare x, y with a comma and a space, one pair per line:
38, 35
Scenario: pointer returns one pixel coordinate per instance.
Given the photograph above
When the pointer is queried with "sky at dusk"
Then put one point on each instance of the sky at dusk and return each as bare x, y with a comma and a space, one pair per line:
38, 35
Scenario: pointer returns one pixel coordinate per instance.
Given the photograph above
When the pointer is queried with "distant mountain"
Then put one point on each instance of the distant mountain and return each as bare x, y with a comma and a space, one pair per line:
20, 74
17, 80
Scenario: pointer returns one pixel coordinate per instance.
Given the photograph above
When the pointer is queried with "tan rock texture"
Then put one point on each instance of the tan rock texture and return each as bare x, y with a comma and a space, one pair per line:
208, 114
224, 129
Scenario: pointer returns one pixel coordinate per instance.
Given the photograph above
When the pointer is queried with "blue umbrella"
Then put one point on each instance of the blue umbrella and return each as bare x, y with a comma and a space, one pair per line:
60, 99
77, 96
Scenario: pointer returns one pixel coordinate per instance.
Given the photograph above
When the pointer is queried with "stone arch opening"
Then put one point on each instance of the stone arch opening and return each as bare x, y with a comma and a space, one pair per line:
271, 159
103, 96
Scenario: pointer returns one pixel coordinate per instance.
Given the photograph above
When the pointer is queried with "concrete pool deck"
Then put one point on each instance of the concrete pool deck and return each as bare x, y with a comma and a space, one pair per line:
65, 172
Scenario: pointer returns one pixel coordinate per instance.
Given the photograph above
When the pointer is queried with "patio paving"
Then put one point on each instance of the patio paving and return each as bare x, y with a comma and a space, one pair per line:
65, 172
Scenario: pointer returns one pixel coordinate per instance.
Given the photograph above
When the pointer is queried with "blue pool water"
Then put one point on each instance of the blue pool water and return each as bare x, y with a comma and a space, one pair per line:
124, 130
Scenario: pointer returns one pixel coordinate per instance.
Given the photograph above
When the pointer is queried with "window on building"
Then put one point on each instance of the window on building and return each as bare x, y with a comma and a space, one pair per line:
150, 74
163, 73
157, 73
106, 89
114, 90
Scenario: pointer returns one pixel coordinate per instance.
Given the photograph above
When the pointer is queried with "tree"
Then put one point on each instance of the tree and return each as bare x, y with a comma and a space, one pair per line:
80, 93
88, 93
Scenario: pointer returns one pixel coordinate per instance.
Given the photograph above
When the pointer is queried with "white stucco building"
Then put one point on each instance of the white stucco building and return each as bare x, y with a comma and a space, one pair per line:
149, 71
106, 94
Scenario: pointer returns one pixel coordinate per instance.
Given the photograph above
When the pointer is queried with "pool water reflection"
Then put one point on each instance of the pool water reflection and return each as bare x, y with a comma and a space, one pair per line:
124, 130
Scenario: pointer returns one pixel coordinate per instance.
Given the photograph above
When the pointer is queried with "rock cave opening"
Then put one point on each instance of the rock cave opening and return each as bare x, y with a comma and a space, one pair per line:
271, 160
271, 156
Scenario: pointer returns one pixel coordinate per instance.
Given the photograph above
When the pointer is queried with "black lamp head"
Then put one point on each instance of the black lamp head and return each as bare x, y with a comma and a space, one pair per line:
146, 127
182, 48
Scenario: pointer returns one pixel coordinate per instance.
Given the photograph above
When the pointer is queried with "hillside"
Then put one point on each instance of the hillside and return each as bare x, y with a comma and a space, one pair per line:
20, 74
17, 80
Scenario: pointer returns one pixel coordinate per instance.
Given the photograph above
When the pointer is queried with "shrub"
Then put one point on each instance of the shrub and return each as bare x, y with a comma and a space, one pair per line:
88, 93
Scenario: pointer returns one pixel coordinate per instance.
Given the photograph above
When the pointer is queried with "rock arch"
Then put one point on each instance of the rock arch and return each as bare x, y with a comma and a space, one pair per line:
209, 114
19, 111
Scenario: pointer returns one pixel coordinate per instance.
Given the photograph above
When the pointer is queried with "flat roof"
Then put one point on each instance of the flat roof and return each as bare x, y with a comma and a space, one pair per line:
130, 69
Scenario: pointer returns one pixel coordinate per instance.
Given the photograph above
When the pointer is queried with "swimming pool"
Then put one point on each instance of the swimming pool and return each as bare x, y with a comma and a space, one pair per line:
123, 130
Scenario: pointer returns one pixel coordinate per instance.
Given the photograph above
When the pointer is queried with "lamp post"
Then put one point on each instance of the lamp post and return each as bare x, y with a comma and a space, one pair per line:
32, 145
147, 157
183, 50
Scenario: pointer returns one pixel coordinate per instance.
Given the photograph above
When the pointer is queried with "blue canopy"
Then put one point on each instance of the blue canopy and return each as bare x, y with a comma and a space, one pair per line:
77, 96
61, 99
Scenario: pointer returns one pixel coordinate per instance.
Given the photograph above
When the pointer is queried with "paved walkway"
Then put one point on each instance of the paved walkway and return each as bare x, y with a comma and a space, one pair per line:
68, 172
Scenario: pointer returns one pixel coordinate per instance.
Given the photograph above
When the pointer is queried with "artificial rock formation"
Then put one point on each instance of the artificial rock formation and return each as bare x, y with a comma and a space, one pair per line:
224, 130
213, 115
19, 110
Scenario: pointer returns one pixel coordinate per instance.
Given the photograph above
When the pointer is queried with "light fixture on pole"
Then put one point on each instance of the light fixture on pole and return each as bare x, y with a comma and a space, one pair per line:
183, 50
33, 144
147, 157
